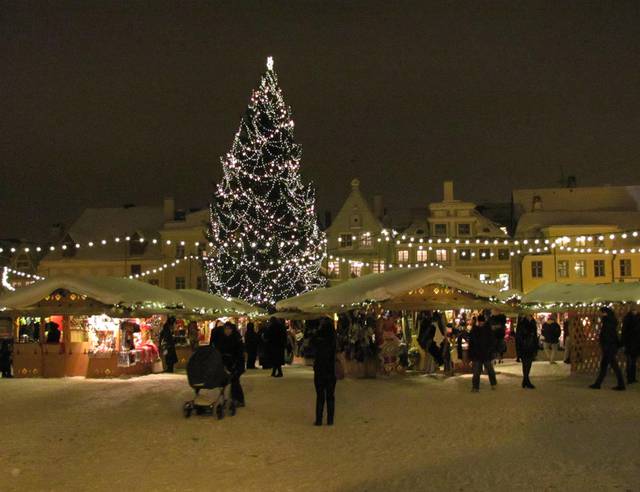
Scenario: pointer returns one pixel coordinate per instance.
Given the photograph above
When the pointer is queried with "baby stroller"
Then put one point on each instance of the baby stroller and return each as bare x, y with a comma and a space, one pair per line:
205, 370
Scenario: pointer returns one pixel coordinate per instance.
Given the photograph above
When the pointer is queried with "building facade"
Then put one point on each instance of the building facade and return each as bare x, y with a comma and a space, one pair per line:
590, 235
451, 233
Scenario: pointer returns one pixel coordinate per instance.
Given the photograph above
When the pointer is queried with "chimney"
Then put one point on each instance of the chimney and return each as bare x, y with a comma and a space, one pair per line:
378, 207
169, 209
448, 191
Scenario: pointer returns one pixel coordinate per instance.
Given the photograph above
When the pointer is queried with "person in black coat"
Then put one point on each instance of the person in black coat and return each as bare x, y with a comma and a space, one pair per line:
168, 344
324, 370
527, 346
481, 350
53, 332
498, 323
609, 345
631, 342
551, 334
251, 341
228, 341
5, 358
276, 341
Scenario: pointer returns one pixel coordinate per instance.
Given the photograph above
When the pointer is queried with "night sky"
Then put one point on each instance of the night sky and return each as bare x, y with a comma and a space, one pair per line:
130, 101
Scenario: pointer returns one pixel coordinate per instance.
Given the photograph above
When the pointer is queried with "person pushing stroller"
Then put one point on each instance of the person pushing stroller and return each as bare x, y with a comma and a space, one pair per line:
228, 341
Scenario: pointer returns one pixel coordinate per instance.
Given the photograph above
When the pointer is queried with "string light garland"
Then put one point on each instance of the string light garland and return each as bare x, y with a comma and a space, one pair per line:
268, 245
534, 244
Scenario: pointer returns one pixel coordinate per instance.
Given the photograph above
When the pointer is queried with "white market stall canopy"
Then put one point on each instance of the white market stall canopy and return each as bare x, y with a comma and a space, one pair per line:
109, 291
201, 302
94, 294
403, 288
557, 294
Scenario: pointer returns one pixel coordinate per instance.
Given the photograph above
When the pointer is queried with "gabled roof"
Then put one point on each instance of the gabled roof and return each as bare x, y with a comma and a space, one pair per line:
353, 201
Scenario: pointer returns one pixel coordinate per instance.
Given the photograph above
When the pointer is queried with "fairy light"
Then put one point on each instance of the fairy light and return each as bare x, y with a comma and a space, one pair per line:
262, 218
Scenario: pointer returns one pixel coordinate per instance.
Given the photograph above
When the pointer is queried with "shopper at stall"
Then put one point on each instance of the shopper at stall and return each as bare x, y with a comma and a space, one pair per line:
324, 370
168, 344
5, 358
631, 342
276, 341
251, 341
228, 341
527, 346
193, 335
481, 350
498, 323
53, 332
551, 335
609, 345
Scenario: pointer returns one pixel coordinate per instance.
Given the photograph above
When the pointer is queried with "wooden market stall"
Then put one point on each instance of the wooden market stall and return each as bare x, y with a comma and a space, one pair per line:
204, 309
580, 304
403, 289
86, 326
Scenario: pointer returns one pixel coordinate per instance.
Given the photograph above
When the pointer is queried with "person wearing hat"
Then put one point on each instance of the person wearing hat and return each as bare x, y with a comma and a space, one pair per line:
609, 345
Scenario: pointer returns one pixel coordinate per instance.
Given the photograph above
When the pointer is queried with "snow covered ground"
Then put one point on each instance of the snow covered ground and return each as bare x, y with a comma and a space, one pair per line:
413, 433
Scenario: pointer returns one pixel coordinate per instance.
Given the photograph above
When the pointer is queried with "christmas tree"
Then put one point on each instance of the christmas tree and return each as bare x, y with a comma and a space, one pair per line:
267, 245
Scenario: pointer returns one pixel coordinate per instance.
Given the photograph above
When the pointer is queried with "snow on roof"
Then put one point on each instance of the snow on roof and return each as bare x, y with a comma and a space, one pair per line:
557, 293
533, 222
382, 287
579, 199
96, 224
111, 291
204, 302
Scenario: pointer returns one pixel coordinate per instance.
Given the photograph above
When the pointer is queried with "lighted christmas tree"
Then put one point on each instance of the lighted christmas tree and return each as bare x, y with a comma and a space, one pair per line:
266, 241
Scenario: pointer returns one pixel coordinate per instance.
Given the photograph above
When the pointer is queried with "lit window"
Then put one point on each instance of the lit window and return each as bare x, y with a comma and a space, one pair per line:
563, 268
442, 255
464, 229
366, 241
581, 241
536, 269
378, 267
346, 240
180, 283
333, 269
598, 268
403, 256
580, 268
625, 268
355, 269
485, 254
422, 255
440, 229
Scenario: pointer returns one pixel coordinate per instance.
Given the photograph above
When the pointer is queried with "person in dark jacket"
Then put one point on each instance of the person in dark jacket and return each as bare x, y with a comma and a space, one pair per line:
276, 341
498, 323
527, 346
5, 358
481, 350
251, 345
631, 342
609, 345
53, 332
324, 370
228, 341
551, 334
168, 344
